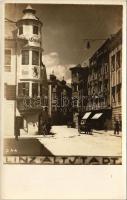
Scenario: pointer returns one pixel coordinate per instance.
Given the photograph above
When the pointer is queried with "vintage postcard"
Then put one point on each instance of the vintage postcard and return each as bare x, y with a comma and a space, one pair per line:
63, 86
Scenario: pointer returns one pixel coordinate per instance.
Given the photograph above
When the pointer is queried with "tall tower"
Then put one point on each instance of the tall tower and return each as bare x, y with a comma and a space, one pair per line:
32, 88
29, 29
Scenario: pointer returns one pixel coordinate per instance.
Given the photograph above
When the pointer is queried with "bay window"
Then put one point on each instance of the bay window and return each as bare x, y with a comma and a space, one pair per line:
23, 89
34, 89
35, 57
35, 30
25, 57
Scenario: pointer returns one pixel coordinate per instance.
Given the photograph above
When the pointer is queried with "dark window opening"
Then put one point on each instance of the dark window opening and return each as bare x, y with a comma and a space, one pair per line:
34, 89
119, 93
75, 88
35, 58
20, 30
113, 95
23, 89
118, 60
25, 57
35, 30
113, 62
40, 89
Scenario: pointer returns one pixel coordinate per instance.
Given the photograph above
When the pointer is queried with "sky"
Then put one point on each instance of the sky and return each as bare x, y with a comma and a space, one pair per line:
64, 29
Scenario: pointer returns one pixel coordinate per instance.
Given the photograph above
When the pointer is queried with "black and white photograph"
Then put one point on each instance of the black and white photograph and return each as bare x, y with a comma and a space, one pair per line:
63, 99
62, 84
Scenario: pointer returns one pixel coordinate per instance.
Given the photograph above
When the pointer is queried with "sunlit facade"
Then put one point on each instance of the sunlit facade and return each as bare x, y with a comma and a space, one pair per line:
26, 88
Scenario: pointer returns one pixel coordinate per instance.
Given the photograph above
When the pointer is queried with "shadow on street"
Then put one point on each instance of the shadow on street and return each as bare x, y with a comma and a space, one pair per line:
25, 147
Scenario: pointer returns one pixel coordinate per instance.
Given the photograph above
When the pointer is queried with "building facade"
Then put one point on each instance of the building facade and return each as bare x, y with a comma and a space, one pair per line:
59, 96
99, 86
26, 87
79, 76
115, 60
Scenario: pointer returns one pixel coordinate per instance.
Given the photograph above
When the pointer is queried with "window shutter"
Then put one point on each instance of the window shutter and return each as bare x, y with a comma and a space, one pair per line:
10, 92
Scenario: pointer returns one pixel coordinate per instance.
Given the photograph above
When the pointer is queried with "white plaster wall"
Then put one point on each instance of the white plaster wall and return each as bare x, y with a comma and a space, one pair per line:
9, 110
9, 77
32, 122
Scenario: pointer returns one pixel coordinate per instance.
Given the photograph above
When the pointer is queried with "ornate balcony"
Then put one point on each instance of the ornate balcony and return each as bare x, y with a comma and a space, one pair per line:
25, 104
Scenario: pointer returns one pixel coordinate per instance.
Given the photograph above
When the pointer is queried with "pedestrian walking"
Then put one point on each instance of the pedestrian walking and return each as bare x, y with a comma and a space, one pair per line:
116, 127
17, 132
89, 130
86, 128
48, 126
43, 128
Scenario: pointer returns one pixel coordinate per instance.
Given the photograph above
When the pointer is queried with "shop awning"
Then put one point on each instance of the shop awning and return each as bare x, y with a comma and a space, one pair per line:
86, 115
97, 116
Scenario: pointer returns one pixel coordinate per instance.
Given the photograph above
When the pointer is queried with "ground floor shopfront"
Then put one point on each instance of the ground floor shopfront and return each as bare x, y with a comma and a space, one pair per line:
98, 119
24, 120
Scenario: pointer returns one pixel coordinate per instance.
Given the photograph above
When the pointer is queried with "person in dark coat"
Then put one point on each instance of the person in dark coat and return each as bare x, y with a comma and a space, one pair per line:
86, 128
116, 127
48, 126
89, 131
17, 133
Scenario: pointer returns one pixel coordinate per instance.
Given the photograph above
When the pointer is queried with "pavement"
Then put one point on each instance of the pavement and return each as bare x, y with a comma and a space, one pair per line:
67, 142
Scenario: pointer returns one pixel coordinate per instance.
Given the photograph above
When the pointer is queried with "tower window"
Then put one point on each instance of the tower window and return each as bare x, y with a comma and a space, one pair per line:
23, 89
35, 58
35, 30
7, 60
20, 30
34, 89
25, 57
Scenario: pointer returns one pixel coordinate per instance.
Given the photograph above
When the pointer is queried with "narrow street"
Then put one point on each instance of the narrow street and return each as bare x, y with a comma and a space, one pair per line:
67, 141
